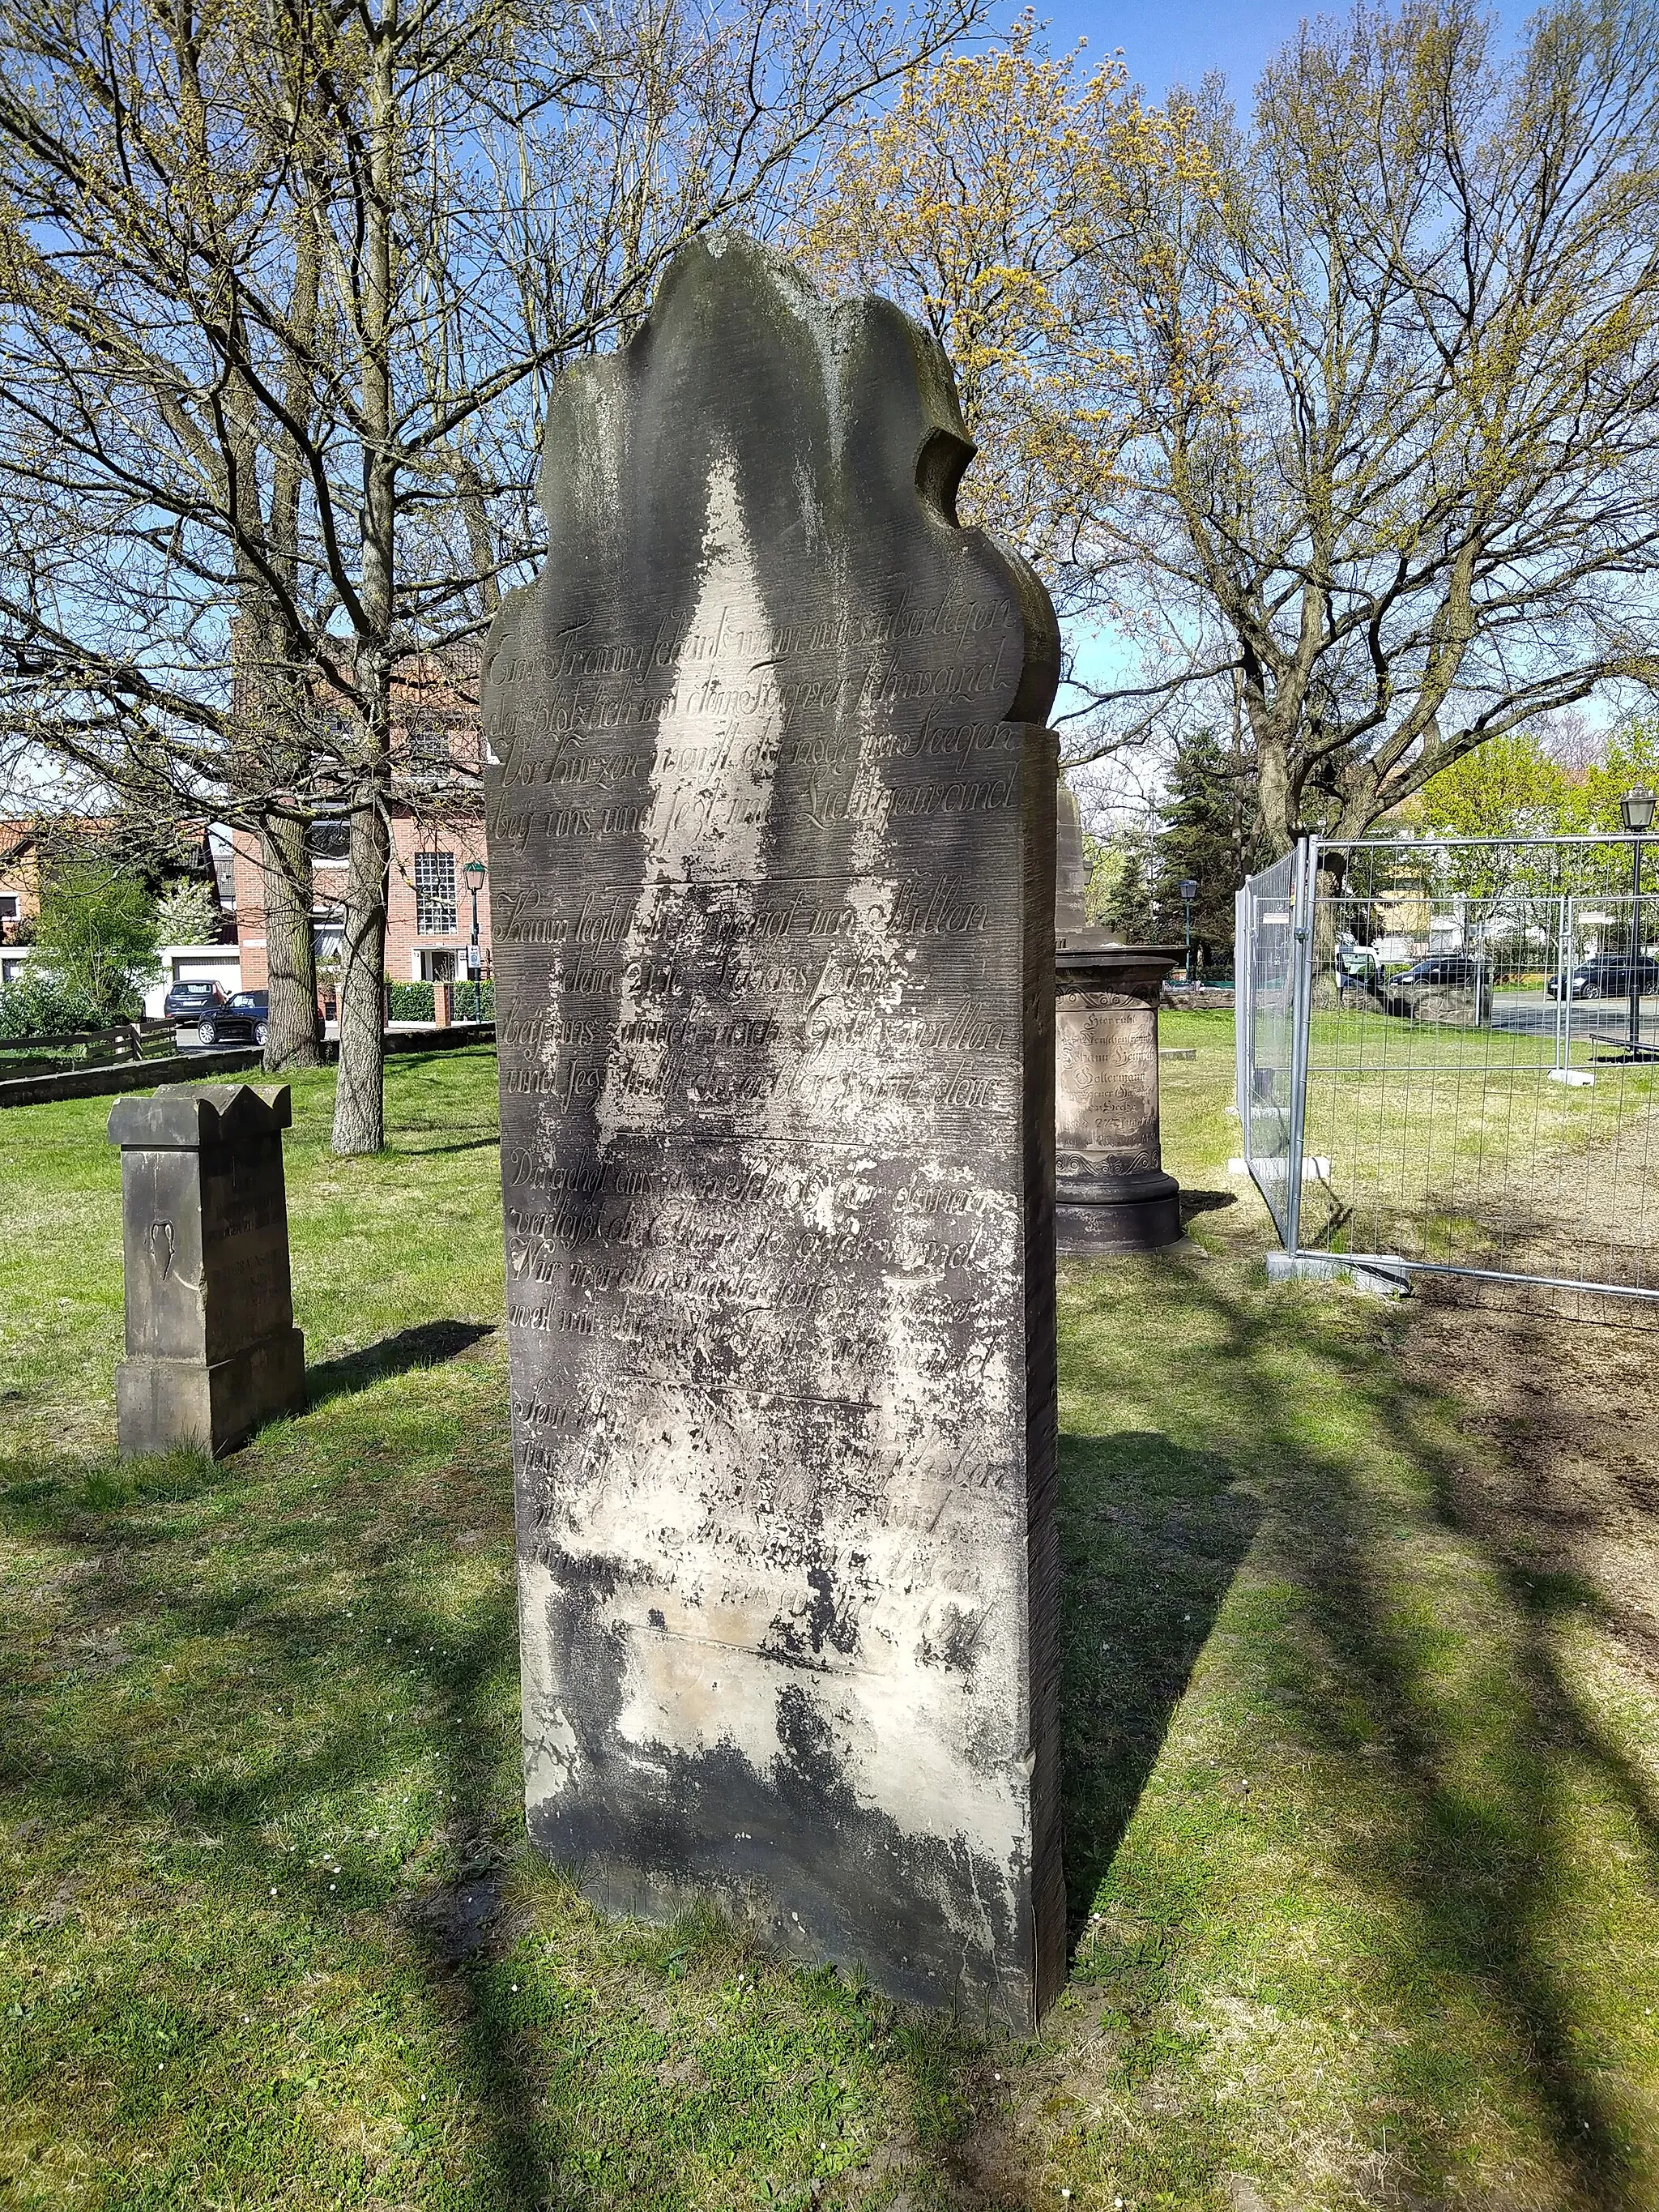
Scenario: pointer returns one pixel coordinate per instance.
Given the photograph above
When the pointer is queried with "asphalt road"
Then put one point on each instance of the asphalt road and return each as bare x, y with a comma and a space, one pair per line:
1529, 1013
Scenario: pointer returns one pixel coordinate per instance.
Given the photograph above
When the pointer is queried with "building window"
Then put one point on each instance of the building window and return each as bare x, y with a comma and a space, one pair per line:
429, 749
8, 906
329, 841
434, 894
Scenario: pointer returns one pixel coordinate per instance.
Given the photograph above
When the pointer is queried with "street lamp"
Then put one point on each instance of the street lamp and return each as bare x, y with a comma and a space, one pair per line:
1637, 809
474, 873
1188, 893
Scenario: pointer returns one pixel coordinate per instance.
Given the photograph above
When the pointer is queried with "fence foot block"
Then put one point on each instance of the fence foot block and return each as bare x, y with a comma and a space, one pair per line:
1322, 1268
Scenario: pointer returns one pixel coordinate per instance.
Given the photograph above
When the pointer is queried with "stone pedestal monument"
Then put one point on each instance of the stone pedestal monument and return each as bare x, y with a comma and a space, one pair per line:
770, 808
212, 1350
1112, 1195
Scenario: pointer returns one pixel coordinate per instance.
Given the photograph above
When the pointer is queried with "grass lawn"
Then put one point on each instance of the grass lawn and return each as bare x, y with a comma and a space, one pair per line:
1446, 1143
1362, 1789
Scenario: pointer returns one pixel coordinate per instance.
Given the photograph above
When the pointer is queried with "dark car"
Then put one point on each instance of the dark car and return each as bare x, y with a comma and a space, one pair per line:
1608, 976
1452, 988
185, 999
1447, 971
240, 1020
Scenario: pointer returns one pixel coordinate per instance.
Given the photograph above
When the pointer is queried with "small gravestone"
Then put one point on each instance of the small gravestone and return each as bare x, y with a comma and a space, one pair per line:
212, 1350
1111, 1192
771, 822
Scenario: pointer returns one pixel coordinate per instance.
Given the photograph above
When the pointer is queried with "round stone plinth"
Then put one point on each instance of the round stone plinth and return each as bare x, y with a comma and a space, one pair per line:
1099, 1214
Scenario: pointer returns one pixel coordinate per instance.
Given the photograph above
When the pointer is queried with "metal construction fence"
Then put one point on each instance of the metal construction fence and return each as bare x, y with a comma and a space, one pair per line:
1449, 1059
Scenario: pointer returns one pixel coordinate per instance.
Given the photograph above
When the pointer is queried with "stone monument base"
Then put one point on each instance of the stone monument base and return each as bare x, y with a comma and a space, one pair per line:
1111, 1195
162, 1405
1108, 1214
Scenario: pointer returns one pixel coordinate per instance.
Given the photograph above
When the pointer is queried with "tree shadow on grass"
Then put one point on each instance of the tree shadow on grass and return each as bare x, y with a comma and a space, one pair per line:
243, 1665
1567, 1818
428, 1346
1150, 1538
1454, 1771
315, 1716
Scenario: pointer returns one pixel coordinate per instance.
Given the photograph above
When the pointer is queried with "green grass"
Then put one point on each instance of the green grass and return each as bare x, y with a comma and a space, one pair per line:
1360, 1792
1448, 1143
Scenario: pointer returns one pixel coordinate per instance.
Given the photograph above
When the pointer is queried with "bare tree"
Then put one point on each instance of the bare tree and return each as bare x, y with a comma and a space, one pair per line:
1339, 424
1396, 362
282, 288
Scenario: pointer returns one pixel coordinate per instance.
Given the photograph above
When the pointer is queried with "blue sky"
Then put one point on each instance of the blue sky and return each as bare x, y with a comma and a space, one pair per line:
1177, 41
1169, 42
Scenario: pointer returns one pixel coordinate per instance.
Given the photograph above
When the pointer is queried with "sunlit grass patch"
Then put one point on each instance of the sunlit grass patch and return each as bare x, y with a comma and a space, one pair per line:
1360, 1783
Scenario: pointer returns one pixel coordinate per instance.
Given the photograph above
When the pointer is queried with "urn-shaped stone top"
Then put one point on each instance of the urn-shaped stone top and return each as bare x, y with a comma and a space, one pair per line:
1129, 971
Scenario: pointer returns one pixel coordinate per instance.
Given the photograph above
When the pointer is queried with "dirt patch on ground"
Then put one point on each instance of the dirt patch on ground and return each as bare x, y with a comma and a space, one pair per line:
1561, 1477
1488, 1168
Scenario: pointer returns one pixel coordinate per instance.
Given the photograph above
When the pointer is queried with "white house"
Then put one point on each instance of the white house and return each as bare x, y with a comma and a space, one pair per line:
194, 964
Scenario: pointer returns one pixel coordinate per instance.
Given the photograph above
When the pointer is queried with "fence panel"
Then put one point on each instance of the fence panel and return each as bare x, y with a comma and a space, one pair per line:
1264, 974
1478, 1090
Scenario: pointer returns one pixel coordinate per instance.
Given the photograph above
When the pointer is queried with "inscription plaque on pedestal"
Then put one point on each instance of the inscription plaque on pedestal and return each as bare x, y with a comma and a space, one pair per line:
1106, 1082
770, 811
212, 1350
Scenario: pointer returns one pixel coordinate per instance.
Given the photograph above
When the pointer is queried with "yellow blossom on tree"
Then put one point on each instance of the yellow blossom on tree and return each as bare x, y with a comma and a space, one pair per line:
981, 204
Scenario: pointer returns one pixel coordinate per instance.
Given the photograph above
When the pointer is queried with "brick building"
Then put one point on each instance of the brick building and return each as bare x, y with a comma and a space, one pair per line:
436, 825
20, 879
20, 895
29, 849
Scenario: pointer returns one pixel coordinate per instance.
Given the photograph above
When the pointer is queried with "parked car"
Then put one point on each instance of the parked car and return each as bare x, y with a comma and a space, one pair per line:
240, 1020
1450, 988
1607, 977
1446, 970
185, 999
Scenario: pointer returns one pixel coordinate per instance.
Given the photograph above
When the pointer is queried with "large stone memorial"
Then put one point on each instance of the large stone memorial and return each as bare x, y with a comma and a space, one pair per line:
212, 1350
770, 808
1111, 1192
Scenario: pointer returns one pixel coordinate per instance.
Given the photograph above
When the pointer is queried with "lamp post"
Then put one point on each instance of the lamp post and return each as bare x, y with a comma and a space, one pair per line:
474, 873
1188, 893
1637, 809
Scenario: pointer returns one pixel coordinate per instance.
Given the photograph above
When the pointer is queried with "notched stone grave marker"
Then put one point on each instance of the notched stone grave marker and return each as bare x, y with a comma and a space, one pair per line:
771, 822
212, 1350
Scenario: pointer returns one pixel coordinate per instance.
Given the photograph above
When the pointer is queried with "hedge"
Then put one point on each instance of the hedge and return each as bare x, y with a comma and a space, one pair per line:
413, 1002
38, 1006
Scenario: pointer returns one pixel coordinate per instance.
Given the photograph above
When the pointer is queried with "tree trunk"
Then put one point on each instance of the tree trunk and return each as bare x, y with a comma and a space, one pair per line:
1327, 920
359, 1104
290, 951
1275, 797
359, 1101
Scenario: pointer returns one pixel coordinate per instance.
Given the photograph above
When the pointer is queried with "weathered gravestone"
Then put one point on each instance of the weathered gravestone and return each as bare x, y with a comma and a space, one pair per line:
1112, 1192
212, 1350
771, 822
